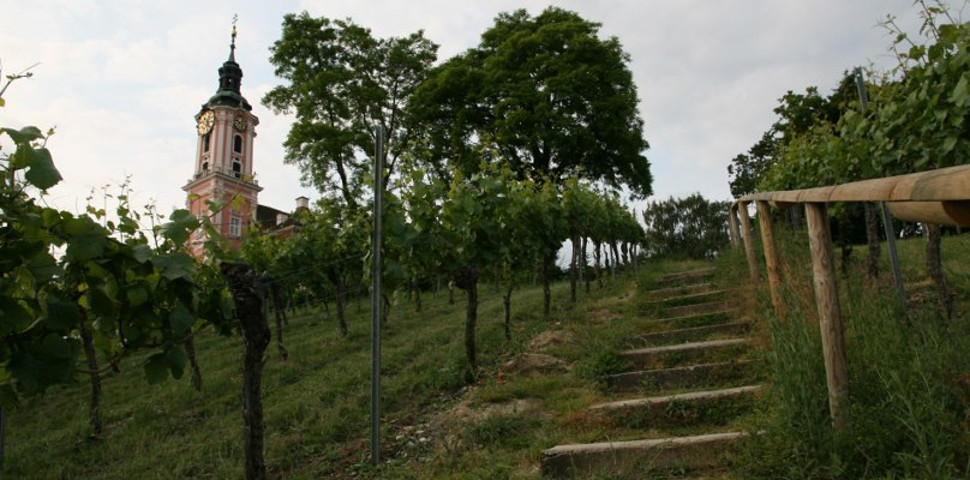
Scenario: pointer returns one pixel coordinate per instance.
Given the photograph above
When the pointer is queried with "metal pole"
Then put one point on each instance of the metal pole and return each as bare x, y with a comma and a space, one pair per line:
887, 219
375, 412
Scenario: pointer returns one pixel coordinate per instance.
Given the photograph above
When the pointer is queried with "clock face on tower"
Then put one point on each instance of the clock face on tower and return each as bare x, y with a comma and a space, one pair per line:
206, 121
239, 122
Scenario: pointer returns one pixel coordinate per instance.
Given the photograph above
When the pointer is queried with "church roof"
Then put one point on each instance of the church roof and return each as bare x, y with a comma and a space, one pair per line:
230, 79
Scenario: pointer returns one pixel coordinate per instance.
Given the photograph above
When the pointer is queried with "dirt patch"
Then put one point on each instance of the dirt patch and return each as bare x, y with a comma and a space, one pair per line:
535, 362
549, 339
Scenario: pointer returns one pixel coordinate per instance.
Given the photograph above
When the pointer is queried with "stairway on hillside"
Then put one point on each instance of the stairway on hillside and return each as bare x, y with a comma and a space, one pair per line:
689, 379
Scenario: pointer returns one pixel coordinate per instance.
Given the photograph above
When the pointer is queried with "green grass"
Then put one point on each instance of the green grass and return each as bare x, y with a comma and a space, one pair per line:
316, 404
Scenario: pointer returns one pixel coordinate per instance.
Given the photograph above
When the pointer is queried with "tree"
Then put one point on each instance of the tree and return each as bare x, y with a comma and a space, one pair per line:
548, 95
691, 227
341, 82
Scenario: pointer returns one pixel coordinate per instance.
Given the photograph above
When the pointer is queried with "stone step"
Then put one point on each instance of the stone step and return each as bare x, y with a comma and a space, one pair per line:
670, 355
697, 319
695, 309
687, 299
671, 279
668, 292
691, 376
690, 333
712, 407
637, 458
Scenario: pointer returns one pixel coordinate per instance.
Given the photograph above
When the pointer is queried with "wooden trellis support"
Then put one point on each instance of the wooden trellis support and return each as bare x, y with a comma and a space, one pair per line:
748, 242
938, 196
771, 256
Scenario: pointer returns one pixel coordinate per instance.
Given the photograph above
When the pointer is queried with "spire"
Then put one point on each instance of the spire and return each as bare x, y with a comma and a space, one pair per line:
232, 46
230, 78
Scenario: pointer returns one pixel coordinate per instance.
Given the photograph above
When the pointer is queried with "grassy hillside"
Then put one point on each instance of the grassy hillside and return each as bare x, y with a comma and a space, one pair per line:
316, 403
531, 393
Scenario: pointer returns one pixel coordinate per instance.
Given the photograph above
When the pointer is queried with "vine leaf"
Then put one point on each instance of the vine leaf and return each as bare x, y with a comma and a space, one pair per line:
61, 315
43, 174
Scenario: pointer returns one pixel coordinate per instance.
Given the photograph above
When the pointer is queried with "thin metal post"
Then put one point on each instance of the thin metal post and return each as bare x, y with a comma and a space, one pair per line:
375, 412
887, 219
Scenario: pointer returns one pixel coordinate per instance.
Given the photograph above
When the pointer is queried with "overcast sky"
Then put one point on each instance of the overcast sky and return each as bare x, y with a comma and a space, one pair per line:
121, 81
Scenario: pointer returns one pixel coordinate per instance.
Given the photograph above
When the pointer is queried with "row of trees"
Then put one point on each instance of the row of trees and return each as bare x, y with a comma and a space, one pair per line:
490, 154
489, 225
916, 119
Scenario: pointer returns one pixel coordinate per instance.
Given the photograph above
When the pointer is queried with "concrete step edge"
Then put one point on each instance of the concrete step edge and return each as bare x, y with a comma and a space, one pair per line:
679, 347
604, 447
685, 371
700, 272
727, 311
679, 397
687, 296
691, 331
635, 457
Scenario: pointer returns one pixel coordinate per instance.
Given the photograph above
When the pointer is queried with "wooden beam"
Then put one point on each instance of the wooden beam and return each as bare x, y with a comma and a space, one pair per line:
771, 256
955, 212
944, 184
829, 311
733, 226
748, 242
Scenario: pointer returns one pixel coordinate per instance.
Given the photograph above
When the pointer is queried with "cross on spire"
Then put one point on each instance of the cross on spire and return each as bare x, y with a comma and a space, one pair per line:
232, 46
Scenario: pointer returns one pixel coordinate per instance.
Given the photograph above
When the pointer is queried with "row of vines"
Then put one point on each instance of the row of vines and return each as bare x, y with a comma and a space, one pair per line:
488, 226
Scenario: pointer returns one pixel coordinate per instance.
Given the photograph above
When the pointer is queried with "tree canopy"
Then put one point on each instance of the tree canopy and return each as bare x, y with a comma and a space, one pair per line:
546, 94
341, 82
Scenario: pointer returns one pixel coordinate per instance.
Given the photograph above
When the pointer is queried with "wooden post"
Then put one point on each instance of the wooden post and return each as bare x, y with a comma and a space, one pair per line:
748, 242
733, 226
771, 256
829, 312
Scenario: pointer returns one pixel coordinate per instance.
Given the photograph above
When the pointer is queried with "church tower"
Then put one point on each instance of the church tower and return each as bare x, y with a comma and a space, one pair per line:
226, 128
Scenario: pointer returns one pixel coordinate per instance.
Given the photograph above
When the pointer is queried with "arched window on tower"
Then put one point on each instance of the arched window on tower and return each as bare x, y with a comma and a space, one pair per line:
236, 168
237, 143
205, 142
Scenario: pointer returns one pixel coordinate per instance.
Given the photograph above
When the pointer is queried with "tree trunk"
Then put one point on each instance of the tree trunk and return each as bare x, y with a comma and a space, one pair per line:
574, 267
535, 270
583, 274
338, 286
256, 335
546, 290
872, 239
280, 316
934, 266
507, 305
417, 294
189, 344
385, 307
90, 356
467, 280
616, 258
3, 436
596, 268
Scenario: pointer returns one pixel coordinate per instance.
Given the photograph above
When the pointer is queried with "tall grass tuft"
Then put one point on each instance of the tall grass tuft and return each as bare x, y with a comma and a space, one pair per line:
908, 404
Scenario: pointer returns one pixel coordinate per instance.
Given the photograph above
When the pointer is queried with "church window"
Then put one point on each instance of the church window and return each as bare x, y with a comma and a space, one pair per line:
237, 143
205, 142
236, 168
235, 226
